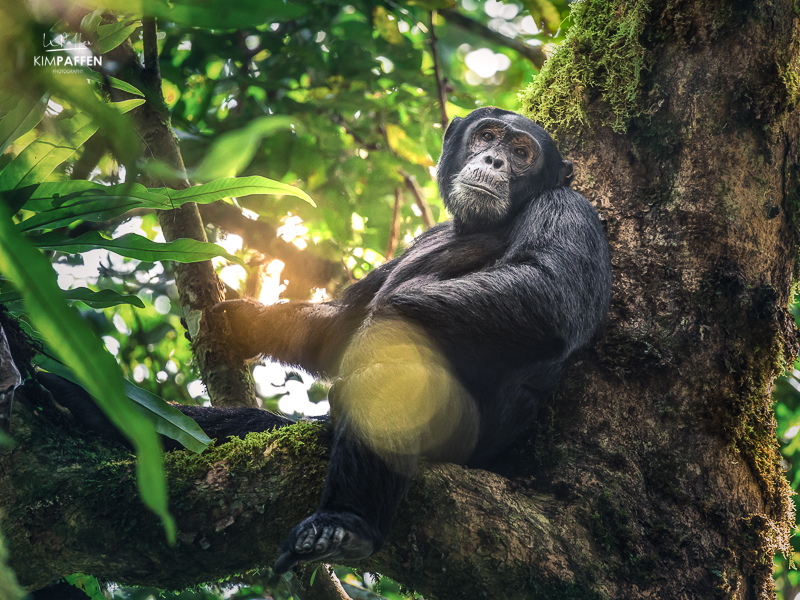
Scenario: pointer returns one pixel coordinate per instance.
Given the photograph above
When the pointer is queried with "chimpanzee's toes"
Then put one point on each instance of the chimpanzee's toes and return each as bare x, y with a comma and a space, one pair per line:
330, 536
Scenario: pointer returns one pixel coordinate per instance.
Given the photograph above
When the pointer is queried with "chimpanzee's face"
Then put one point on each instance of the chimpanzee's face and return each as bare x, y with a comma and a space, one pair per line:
492, 163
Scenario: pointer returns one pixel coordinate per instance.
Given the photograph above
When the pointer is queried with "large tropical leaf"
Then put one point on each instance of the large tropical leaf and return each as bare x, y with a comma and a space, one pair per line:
233, 150
57, 204
228, 187
79, 349
112, 35
60, 203
211, 14
135, 246
101, 299
43, 155
27, 115
83, 210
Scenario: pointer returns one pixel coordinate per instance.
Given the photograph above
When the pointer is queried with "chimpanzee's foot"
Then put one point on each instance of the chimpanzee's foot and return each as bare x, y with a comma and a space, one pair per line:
331, 536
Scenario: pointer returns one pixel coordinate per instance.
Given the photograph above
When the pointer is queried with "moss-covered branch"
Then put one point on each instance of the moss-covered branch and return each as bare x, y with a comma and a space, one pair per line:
71, 505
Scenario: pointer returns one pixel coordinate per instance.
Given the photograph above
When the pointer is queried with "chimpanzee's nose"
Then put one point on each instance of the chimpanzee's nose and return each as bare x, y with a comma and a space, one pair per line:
496, 163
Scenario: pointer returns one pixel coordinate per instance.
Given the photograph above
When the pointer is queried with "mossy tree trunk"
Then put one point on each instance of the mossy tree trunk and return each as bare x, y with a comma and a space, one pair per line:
654, 471
682, 118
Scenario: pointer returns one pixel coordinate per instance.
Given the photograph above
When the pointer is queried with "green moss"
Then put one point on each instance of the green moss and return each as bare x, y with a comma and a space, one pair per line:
241, 454
611, 525
602, 54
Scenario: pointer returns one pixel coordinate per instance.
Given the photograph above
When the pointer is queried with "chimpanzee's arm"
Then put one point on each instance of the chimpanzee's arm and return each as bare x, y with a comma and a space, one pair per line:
306, 334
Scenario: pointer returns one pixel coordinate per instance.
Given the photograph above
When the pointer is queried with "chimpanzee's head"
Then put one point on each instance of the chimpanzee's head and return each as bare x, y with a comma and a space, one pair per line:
494, 162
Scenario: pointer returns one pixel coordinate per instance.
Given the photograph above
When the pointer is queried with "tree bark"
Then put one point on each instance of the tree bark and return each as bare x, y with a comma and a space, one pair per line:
686, 142
654, 471
226, 377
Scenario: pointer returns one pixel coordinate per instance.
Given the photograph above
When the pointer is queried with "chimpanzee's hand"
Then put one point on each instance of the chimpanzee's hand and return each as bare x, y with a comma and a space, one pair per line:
245, 318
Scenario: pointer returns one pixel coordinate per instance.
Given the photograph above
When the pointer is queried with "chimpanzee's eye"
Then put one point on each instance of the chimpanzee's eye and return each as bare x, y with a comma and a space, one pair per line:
487, 136
521, 152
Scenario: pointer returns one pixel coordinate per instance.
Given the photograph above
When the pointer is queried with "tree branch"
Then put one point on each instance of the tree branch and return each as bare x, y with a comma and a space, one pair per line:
419, 198
79, 512
535, 54
437, 72
394, 232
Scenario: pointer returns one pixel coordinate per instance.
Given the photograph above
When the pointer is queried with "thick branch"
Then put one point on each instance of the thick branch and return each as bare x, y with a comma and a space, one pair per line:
72, 506
535, 54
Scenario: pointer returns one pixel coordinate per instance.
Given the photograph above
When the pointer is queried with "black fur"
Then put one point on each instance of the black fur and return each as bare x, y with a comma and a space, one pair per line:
448, 351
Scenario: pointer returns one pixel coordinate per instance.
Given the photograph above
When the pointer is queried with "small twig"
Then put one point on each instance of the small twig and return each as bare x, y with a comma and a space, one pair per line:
326, 585
419, 198
440, 85
535, 54
394, 232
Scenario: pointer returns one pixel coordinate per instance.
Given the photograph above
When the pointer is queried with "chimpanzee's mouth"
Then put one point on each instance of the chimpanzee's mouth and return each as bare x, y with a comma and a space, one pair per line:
483, 189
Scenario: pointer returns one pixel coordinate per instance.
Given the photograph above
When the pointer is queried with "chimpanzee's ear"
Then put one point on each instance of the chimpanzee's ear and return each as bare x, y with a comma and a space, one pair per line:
566, 174
454, 124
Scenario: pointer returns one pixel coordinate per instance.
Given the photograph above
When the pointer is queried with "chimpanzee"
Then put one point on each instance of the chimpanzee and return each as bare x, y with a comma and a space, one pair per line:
449, 350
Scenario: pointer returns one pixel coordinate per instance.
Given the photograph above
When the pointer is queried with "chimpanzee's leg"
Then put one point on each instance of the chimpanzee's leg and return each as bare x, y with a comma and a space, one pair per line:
397, 400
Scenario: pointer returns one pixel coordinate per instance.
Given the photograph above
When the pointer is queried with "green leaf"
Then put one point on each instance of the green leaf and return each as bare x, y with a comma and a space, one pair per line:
234, 150
167, 419
84, 210
21, 120
87, 583
43, 155
60, 194
407, 147
92, 21
101, 299
227, 187
209, 14
223, 14
433, 4
544, 11
79, 349
184, 250
63, 202
112, 35
60, 203
113, 82
386, 25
